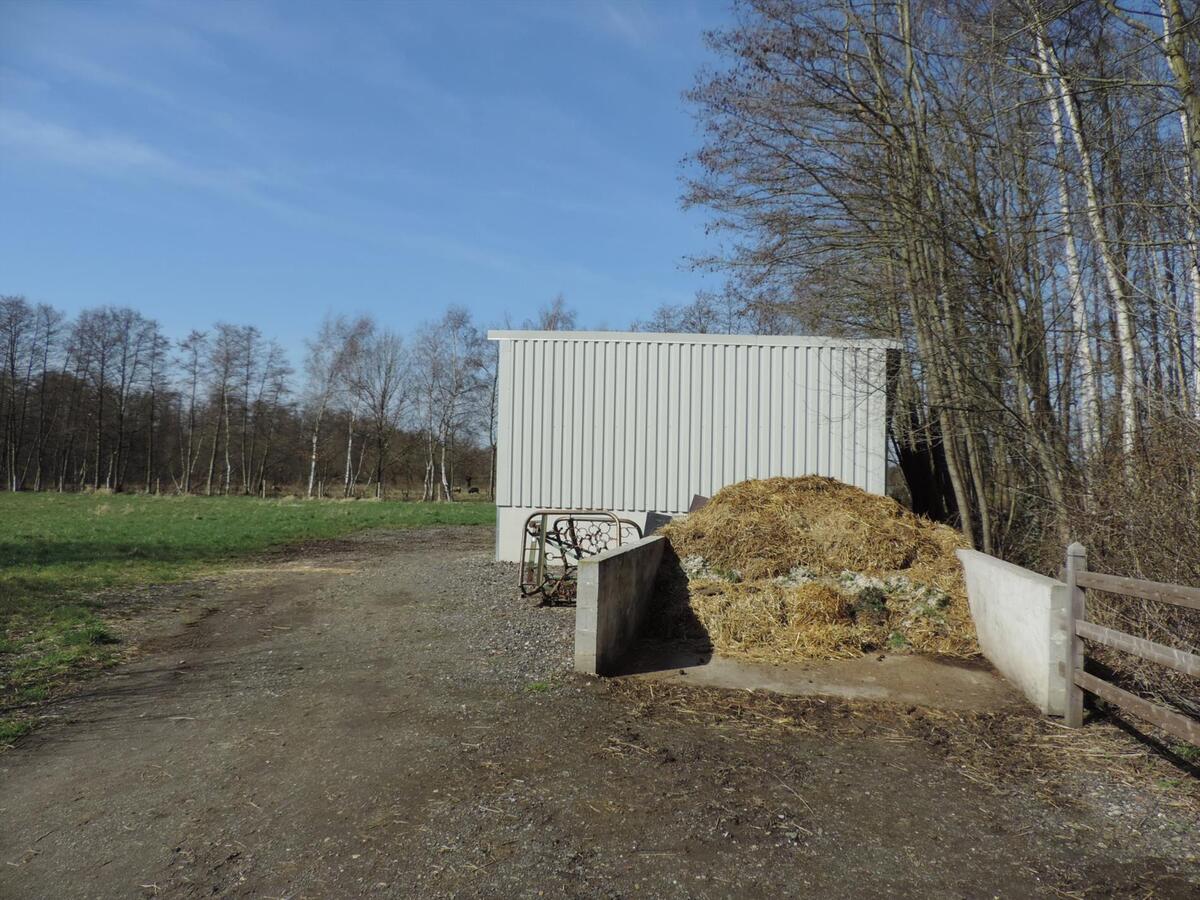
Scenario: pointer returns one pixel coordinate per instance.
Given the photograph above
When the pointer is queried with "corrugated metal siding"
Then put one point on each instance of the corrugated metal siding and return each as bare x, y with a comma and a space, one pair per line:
631, 423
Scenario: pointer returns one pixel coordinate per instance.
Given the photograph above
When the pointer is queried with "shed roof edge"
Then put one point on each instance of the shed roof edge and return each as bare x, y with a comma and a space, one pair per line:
648, 337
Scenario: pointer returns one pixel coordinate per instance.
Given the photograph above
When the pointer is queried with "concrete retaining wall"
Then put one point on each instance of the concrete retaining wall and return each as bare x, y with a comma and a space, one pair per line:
1021, 618
615, 590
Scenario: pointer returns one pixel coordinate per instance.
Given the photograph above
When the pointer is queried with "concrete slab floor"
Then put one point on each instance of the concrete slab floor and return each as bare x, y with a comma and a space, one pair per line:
897, 678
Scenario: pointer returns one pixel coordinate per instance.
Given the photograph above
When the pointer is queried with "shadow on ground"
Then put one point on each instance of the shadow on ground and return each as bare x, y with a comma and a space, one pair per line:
673, 636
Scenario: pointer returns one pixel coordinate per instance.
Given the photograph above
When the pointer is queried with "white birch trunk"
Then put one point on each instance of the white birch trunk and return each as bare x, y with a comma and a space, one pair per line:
312, 463
349, 456
1108, 258
1193, 254
1089, 413
446, 495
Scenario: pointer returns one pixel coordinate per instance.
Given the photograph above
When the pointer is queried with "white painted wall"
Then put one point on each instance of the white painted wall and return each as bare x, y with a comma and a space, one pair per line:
636, 422
1021, 618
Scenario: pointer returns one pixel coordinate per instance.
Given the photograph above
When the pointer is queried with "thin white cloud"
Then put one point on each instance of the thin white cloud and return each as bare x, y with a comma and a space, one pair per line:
108, 153
65, 145
81, 68
116, 155
14, 82
630, 23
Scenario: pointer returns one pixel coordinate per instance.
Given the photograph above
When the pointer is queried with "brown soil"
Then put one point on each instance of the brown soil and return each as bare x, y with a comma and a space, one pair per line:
387, 720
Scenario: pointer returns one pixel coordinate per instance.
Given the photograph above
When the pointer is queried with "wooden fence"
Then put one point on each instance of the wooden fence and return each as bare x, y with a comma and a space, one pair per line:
1078, 580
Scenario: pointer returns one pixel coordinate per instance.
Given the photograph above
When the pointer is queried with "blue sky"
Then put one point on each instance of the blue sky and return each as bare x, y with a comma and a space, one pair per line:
267, 162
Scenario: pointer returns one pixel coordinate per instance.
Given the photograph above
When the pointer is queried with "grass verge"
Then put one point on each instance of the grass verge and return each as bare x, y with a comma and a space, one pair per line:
60, 554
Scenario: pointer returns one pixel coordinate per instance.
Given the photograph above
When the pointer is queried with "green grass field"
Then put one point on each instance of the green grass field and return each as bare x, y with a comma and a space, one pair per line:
59, 552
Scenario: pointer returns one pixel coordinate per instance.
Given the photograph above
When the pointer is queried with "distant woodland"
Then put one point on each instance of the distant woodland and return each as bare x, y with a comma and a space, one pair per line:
106, 401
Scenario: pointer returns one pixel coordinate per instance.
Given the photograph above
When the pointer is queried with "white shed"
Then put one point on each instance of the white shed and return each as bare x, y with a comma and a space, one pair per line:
635, 422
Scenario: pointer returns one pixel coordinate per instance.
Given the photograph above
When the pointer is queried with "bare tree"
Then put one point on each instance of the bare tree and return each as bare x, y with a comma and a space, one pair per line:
268, 410
555, 316
1090, 402
326, 365
1114, 264
50, 326
18, 356
449, 376
157, 351
192, 352
379, 380
712, 314
134, 344
220, 369
98, 339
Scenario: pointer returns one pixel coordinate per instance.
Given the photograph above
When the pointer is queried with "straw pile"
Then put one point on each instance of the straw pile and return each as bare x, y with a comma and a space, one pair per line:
811, 568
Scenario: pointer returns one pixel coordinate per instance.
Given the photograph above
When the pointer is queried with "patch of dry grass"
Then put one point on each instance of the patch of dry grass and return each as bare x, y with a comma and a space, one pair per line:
766, 620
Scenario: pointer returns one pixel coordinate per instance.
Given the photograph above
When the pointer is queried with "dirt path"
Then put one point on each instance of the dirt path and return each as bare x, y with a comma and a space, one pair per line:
387, 721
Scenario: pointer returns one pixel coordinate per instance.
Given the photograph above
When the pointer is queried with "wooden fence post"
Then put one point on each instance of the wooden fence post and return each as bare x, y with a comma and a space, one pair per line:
1076, 611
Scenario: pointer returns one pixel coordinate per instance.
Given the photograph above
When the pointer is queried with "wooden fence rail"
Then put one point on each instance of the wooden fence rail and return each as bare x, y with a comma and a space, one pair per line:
1078, 580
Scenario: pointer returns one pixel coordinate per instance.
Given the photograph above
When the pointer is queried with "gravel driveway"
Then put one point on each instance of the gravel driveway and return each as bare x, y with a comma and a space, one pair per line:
380, 717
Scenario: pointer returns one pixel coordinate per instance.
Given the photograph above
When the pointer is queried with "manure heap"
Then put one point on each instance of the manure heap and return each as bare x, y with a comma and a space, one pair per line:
810, 568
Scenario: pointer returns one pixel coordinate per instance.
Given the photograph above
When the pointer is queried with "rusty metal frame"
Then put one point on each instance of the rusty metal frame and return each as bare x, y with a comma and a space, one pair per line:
534, 576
